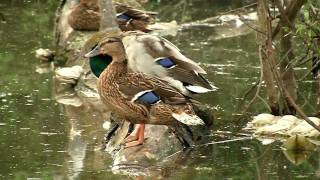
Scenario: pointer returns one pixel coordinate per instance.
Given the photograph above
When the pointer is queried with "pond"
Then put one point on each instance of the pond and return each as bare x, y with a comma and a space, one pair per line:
37, 134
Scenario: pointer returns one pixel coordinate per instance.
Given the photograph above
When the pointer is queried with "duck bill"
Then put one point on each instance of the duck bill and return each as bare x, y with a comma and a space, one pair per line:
94, 52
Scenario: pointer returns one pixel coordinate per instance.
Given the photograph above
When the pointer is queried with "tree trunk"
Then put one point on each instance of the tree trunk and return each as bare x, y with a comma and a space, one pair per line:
287, 20
267, 55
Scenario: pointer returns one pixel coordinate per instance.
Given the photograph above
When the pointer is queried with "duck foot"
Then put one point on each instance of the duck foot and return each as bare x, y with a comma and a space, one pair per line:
134, 135
136, 139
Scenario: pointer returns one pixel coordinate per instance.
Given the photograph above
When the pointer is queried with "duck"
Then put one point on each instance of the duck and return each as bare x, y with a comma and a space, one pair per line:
138, 97
156, 56
85, 17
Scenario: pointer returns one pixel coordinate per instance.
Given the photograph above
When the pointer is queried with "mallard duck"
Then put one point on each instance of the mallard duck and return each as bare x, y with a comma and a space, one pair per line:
156, 56
85, 16
137, 97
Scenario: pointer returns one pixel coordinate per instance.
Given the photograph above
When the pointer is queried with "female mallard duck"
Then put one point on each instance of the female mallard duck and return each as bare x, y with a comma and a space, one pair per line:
137, 97
85, 16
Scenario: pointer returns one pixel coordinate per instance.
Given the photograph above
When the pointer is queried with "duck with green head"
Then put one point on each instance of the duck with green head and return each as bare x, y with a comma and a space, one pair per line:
137, 97
86, 16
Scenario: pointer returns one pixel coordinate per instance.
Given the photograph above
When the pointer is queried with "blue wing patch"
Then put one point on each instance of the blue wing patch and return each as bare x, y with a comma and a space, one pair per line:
165, 62
148, 98
124, 17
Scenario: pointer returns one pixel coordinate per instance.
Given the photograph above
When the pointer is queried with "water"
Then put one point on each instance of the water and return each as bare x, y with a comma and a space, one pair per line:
40, 138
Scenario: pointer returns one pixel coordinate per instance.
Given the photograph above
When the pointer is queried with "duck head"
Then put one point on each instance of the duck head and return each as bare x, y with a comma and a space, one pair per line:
108, 50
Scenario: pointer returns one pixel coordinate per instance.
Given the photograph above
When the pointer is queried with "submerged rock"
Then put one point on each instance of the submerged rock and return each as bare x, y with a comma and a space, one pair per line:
298, 143
297, 149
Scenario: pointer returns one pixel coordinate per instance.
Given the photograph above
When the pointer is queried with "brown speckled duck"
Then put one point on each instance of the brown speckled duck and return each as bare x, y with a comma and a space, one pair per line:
137, 97
85, 16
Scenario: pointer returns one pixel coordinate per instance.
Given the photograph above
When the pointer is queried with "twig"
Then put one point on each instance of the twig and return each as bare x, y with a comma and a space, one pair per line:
297, 108
226, 141
283, 13
247, 24
308, 73
207, 22
258, 89
265, 103
211, 143
294, 8
250, 89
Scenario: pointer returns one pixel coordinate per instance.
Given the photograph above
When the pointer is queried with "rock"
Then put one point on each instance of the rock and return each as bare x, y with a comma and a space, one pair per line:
263, 119
159, 144
69, 75
305, 129
44, 54
288, 125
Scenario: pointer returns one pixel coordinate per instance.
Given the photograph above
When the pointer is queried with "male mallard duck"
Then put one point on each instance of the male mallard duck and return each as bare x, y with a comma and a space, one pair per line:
156, 56
137, 97
85, 16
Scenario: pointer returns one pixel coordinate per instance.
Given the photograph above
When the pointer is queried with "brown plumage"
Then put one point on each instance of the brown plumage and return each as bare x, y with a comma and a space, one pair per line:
122, 89
85, 16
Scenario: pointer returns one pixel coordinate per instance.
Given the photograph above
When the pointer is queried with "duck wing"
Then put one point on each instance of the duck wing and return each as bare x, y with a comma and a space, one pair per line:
157, 56
126, 13
146, 90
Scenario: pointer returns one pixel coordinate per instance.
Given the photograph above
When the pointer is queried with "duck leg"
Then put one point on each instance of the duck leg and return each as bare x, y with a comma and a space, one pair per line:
140, 137
134, 135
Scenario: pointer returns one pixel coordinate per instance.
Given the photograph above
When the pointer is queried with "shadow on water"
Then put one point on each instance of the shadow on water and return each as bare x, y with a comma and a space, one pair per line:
43, 139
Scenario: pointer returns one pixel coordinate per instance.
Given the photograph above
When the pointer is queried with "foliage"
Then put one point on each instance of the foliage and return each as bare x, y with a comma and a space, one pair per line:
308, 30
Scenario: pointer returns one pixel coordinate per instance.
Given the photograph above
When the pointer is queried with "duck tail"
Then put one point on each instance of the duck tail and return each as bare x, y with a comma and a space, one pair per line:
191, 120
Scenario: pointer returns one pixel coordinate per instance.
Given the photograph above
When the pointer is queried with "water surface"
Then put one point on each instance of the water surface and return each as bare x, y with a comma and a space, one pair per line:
40, 138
